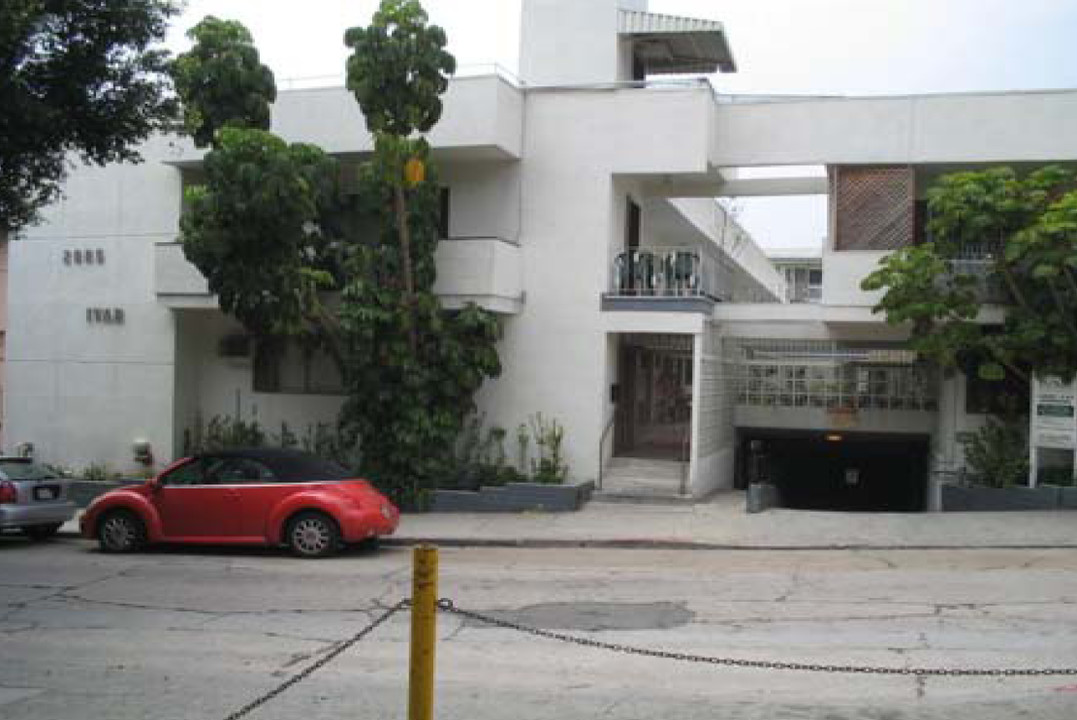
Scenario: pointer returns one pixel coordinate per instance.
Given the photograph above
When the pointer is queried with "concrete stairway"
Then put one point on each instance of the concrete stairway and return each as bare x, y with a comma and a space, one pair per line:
642, 481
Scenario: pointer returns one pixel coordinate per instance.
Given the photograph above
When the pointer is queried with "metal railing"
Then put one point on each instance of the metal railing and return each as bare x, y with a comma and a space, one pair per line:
686, 457
683, 271
978, 261
602, 448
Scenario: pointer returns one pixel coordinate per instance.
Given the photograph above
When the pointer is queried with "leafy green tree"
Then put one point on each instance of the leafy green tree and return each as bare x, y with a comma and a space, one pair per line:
221, 81
287, 255
1025, 227
264, 230
76, 76
414, 367
398, 70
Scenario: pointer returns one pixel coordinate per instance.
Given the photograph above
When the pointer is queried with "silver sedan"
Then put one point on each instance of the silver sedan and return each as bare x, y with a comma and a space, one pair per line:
33, 498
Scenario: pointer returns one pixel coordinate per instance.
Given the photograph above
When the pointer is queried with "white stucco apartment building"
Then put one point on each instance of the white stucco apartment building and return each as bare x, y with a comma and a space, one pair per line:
582, 210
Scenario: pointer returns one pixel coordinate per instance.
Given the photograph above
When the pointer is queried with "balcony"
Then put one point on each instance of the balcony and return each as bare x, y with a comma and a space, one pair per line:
485, 271
685, 278
977, 261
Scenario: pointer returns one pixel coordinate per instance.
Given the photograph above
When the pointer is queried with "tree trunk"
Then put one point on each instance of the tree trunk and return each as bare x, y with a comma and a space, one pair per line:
405, 252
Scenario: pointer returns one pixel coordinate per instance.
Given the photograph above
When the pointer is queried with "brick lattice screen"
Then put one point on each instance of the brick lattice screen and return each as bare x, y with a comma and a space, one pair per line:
874, 208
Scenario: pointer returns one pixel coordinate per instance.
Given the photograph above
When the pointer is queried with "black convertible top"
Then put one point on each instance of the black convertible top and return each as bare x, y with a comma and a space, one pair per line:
288, 465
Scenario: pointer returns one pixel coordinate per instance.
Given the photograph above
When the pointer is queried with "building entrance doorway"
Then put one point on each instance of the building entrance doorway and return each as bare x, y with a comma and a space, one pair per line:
654, 403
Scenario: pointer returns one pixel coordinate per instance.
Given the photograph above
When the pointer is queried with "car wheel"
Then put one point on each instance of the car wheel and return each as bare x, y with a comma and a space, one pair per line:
121, 531
312, 535
41, 532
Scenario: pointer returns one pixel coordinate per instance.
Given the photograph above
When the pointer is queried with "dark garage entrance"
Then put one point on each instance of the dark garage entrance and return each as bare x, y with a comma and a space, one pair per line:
836, 470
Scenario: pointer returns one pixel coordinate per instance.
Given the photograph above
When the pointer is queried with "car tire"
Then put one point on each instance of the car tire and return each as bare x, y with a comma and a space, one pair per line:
39, 533
121, 531
312, 535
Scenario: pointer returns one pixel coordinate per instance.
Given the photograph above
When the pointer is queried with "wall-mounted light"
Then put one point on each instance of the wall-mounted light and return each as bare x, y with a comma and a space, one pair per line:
834, 437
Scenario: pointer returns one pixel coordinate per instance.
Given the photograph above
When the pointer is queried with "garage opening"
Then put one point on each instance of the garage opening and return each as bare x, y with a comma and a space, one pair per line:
858, 472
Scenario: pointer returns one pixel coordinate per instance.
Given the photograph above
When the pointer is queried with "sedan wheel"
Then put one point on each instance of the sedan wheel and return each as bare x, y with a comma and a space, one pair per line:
121, 532
312, 534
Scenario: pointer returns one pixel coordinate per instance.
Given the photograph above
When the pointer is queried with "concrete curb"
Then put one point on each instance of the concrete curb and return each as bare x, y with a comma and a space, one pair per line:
658, 544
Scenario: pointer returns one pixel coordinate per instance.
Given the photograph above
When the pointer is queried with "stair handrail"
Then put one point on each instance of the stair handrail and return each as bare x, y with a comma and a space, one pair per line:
686, 438
602, 448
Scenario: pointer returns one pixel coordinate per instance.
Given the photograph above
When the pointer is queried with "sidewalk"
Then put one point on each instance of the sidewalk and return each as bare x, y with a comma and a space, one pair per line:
720, 522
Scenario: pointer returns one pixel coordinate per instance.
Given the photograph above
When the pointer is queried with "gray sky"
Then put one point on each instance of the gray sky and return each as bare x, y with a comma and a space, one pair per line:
850, 47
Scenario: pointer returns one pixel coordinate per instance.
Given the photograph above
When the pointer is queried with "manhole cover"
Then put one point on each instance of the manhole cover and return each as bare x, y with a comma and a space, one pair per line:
595, 616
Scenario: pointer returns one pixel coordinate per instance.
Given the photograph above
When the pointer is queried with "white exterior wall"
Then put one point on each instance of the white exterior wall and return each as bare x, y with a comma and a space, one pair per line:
82, 391
208, 385
713, 437
1032, 126
3, 330
842, 274
481, 119
573, 43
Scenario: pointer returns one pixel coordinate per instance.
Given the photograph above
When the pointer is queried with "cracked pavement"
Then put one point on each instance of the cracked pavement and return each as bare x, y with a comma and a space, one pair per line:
197, 633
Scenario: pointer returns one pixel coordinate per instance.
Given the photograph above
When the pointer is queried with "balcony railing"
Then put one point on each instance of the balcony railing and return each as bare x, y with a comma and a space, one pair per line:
696, 271
977, 261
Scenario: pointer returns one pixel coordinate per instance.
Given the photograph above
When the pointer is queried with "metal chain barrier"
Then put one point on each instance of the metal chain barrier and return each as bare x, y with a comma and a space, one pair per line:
447, 606
320, 663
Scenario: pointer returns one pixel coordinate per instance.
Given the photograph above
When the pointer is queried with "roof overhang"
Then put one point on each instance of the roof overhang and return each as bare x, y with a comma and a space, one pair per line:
670, 44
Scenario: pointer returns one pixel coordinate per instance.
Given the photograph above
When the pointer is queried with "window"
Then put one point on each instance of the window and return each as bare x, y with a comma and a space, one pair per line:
24, 470
445, 201
289, 366
189, 474
239, 471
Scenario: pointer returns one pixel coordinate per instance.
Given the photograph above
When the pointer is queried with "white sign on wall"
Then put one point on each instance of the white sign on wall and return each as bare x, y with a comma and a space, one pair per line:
1052, 419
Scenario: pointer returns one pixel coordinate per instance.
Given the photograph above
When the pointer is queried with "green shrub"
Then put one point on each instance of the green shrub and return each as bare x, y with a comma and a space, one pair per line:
997, 453
97, 472
550, 468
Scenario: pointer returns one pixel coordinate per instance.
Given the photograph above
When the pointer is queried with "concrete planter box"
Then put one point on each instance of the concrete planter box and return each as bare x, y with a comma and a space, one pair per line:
975, 498
83, 492
514, 497
762, 496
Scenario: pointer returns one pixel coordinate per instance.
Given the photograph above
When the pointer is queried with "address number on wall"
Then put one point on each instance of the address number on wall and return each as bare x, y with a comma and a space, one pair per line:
105, 316
84, 256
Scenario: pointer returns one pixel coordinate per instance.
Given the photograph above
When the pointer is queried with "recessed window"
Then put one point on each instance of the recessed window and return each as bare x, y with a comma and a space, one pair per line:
290, 367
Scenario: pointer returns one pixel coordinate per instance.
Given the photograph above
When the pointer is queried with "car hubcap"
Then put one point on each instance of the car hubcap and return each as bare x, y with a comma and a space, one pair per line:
311, 536
118, 533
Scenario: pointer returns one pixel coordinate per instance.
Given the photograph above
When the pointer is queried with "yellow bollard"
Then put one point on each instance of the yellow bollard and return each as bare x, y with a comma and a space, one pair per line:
424, 610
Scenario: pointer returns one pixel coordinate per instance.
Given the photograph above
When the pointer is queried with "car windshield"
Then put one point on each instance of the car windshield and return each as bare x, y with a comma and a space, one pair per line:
21, 470
305, 468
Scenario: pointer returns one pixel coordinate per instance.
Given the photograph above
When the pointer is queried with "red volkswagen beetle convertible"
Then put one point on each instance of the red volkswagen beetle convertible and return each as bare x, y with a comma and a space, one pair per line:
248, 497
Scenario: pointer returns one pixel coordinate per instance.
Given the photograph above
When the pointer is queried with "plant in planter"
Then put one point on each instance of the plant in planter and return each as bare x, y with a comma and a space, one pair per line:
97, 472
550, 468
997, 453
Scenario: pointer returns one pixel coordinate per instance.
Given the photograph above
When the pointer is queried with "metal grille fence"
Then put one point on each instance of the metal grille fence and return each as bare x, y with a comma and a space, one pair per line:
829, 375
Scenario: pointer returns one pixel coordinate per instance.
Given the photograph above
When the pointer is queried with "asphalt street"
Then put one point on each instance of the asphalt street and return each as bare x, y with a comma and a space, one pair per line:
180, 633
